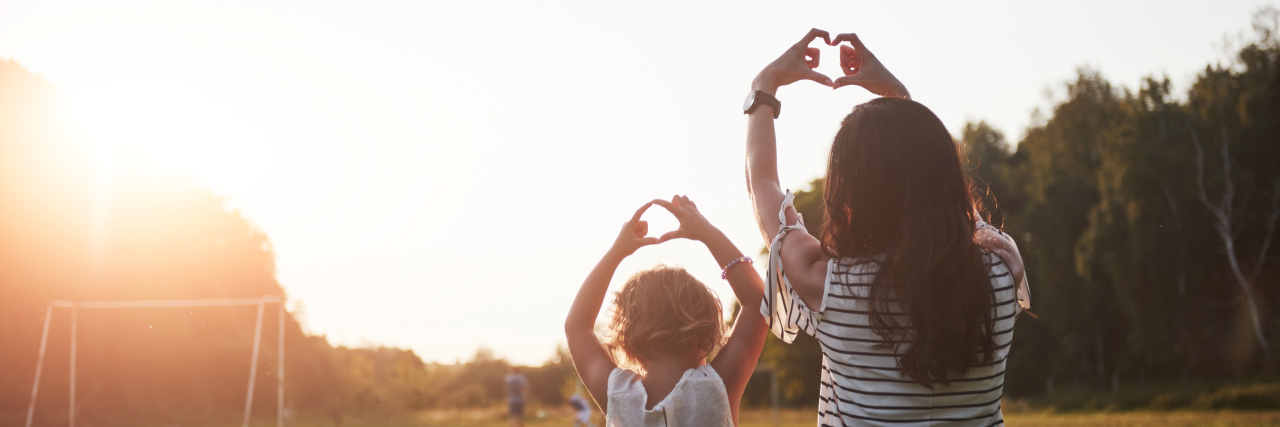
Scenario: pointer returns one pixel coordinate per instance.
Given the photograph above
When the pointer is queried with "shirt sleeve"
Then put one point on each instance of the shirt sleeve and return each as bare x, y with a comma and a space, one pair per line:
1024, 292
1024, 289
782, 307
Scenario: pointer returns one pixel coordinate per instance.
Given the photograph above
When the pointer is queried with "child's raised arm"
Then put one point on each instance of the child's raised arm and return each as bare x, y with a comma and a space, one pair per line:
590, 358
737, 359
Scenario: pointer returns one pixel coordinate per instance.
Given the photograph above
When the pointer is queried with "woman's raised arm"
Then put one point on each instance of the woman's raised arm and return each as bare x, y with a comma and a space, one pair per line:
803, 257
796, 64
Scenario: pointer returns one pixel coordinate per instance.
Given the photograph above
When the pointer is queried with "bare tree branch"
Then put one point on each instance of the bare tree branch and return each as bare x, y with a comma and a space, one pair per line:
1273, 213
1228, 188
1222, 224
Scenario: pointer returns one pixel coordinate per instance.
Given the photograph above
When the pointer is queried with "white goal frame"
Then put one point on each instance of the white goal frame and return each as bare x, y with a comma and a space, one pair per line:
261, 302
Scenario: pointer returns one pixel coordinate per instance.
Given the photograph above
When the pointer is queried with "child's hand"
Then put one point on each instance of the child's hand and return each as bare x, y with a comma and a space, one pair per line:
693, 225
633, 233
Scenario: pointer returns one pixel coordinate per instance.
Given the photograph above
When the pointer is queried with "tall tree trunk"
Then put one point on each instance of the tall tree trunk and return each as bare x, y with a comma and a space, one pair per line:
1222, 216
1182, 241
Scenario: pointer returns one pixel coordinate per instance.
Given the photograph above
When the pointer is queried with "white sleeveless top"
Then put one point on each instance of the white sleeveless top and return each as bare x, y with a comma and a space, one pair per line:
698, 399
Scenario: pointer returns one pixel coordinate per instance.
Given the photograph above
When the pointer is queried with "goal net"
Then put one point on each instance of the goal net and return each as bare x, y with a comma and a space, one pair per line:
261, 302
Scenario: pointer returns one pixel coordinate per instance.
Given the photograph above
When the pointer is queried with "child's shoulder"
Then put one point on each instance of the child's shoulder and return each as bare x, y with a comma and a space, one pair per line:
624, 380
704, 379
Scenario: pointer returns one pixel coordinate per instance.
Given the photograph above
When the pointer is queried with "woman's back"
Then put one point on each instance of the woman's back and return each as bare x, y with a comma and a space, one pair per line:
896, 191
861, 383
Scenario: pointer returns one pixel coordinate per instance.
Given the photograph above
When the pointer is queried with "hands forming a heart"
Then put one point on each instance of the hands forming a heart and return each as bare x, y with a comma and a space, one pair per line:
693, 226
860, 66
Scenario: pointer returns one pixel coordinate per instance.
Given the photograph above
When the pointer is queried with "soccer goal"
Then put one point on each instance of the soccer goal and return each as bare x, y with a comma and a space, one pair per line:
261, 302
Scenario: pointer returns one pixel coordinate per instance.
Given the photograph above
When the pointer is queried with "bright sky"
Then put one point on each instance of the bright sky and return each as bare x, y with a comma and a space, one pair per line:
442, 176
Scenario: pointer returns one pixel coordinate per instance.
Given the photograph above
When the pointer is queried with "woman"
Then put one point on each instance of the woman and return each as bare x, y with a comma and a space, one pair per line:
911, 295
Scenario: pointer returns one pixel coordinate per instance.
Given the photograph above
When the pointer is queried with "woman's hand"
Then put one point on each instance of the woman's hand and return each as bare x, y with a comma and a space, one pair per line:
796, 64
633, 233
862, 68
693, 225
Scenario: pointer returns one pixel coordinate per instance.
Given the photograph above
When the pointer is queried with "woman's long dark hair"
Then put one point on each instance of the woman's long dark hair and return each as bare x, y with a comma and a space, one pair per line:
895, 186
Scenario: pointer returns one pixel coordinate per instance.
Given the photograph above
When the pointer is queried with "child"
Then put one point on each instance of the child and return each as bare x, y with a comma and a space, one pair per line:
666, 323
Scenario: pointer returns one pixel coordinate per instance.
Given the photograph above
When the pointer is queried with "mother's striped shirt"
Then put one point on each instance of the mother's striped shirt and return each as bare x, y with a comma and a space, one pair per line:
861, 383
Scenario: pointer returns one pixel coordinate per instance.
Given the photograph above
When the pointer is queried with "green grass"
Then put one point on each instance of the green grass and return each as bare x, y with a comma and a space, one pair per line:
496, 417
1155, 404
1161, 397
1145, 418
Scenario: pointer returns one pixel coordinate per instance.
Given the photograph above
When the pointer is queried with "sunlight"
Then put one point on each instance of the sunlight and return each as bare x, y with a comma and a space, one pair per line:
166, 123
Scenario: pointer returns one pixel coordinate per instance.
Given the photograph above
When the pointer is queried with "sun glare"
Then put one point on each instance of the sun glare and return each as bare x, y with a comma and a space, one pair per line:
167, 123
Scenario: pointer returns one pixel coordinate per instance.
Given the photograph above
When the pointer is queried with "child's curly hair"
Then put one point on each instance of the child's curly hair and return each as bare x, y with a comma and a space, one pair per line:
664, 310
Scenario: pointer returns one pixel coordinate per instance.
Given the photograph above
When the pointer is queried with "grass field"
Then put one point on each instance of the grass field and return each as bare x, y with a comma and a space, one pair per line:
495, 417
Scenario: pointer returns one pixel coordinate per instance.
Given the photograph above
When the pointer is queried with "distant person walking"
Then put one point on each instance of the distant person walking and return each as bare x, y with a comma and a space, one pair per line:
516, 391
581, 411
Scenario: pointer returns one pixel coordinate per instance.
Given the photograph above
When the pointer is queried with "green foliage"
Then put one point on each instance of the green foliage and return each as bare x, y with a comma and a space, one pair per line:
1126, 270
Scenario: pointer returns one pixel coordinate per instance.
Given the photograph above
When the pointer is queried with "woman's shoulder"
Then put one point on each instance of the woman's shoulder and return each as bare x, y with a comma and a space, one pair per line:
994, 263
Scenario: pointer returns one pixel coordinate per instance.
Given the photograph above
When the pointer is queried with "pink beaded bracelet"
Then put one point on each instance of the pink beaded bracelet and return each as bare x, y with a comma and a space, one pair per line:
724, 272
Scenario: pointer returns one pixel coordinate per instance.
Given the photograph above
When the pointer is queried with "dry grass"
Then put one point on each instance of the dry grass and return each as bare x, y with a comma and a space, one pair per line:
1172, 419
496, 417
808, 418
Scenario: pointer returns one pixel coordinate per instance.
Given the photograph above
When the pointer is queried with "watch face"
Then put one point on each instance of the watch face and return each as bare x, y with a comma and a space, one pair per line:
751, 99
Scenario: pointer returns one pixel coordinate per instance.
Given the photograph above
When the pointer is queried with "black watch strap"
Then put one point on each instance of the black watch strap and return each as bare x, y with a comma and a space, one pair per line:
759, 97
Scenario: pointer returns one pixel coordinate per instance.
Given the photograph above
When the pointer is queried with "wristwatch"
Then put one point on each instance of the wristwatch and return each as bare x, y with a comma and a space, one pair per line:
757, 97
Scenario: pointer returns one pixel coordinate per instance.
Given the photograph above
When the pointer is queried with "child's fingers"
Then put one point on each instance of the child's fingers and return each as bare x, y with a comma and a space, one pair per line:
640, 211
671, 207
689, 202
670, 235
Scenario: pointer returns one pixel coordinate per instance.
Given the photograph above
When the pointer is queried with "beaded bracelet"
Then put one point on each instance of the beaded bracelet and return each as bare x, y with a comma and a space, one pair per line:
724, 272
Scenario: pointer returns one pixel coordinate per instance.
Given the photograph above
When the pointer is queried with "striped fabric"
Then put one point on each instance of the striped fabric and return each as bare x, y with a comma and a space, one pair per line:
861, 384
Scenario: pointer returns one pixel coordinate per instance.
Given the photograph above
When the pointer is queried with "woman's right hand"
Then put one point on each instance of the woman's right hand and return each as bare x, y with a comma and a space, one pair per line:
796, 64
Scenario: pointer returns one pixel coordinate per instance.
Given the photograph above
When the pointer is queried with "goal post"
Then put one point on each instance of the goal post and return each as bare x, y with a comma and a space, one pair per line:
261, 302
